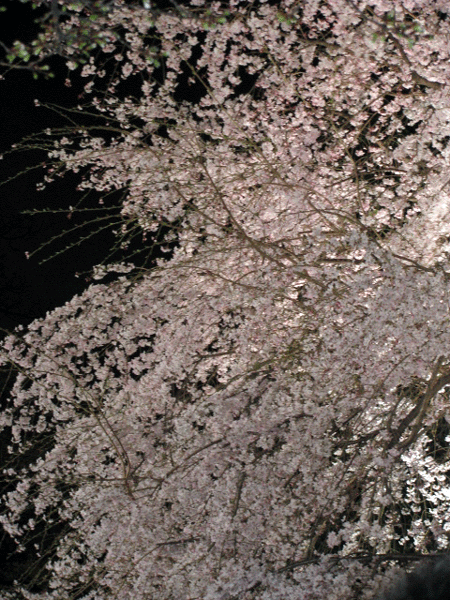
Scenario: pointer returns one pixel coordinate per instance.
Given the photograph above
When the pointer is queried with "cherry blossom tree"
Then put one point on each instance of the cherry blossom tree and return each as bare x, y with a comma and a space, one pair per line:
265, 414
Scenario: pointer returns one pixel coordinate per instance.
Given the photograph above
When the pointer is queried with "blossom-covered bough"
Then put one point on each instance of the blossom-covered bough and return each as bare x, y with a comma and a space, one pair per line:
267, 408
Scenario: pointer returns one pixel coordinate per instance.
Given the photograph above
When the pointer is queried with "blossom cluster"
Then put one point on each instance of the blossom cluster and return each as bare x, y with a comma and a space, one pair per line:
269, 403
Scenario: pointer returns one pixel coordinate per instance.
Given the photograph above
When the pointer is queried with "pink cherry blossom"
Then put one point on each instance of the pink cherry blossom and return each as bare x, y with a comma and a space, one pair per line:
268, 407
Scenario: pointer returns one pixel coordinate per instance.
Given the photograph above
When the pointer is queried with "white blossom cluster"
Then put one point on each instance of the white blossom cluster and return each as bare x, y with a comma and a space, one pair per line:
267, 407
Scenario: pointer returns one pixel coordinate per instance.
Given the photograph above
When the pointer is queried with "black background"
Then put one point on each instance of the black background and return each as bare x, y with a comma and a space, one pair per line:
30, 287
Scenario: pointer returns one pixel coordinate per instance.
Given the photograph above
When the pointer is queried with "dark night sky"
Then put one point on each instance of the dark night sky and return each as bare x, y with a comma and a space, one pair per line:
28, 290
